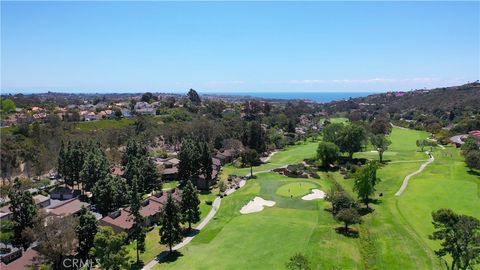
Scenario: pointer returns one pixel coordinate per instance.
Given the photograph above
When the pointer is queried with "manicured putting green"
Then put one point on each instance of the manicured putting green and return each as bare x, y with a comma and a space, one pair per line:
295, 189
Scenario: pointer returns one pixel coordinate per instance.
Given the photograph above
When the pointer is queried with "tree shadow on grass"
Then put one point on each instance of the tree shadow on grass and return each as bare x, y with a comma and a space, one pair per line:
365, 211
190, 233
352, 233
205, 192
167, 257
375, 201
474, 172
137, 266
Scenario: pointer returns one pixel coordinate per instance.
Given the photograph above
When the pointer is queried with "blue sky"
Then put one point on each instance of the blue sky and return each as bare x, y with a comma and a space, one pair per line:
237, 46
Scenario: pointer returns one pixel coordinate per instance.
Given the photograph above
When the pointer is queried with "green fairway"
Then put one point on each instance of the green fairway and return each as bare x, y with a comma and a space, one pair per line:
336, 120
266, 240
393, 236
407, 219
295, 189
446, 183
104, 124
289, 155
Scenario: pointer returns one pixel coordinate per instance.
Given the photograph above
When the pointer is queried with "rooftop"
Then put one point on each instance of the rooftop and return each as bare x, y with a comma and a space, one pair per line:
70, 207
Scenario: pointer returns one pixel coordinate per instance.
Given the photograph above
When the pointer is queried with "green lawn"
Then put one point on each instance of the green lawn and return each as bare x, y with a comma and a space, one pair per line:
152, 242
266, 240
295, 189
289, 155
446, 183
407, 219
393, 236
104, 124
169, 185
336, 120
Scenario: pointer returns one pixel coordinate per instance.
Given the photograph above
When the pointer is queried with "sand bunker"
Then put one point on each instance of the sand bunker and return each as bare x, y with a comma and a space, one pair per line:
315, 195
256, 205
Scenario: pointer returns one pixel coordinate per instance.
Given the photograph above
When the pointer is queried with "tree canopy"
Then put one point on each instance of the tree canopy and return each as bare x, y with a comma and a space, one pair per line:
7, 105
170, 229
298, 262
328, 153
190, 205
365, 181
194, 97
381, 143
138, 231
109, 194
86, 229
109, 250
460, 236
24, 210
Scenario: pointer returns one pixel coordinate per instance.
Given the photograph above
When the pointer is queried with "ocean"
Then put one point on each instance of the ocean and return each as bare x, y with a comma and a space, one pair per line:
314, 96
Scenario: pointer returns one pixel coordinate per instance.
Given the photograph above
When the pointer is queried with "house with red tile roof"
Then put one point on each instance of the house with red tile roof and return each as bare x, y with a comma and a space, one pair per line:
168, 167
225, 156
69, 207
122, 219
475, 134
29, 259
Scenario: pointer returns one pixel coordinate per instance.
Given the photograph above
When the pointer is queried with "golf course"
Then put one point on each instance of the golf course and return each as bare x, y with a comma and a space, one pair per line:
393, 236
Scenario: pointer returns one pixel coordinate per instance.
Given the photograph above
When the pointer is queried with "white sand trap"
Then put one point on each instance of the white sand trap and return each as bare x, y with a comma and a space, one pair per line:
315, 195
256, 205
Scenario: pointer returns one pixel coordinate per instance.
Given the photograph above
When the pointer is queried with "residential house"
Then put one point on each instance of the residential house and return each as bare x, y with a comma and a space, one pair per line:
101, 115
40, 200
40, 116
16, 258
122, 219
87, 107
168, 167
90, 116
144, 108
109, 114
70, 207
475, 134
5, 213
117, 170
204, 184
225, 156
61, 193
126, 113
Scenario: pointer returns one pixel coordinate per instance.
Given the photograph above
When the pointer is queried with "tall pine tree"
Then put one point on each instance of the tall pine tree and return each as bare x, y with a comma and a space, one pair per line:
86, 229
109, 194
190, 205
95, 167
61, 160
206, 164
138, 164
189, 165
24, 210
138, 229
171, 230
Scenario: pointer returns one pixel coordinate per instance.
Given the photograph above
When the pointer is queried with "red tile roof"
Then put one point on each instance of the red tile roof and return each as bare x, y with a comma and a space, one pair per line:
117, 170
151, 207
123, 221
70, 207
173, 170
27, 260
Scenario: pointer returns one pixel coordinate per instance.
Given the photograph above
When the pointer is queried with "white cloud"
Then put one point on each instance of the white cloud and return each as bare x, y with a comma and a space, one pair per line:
366, 81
